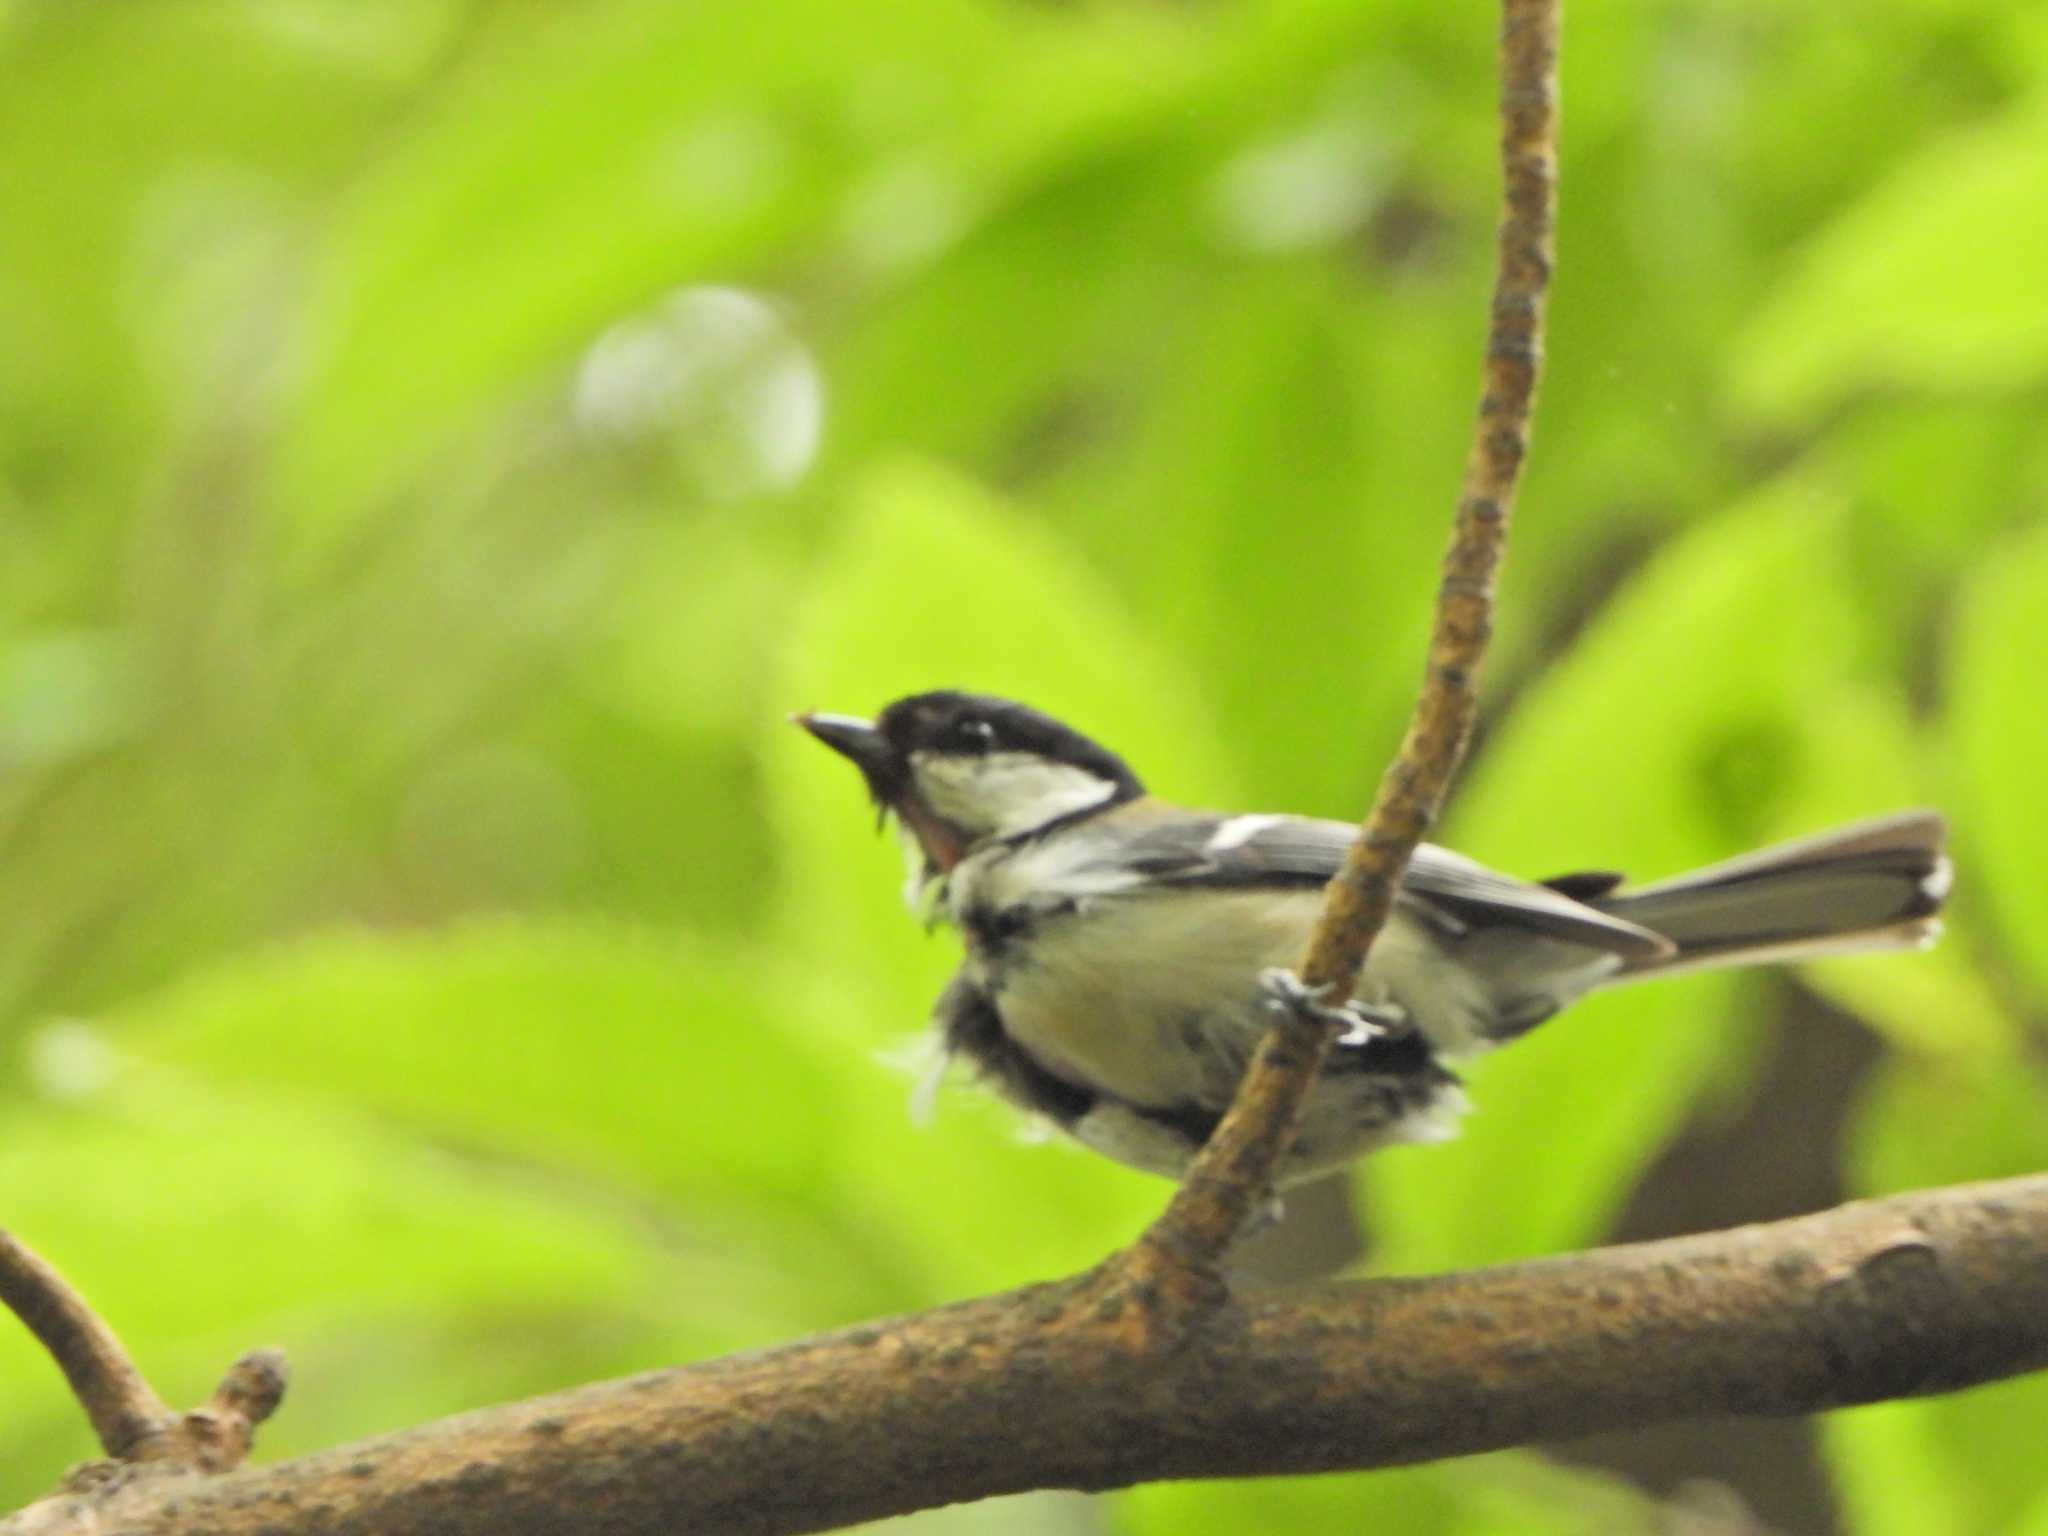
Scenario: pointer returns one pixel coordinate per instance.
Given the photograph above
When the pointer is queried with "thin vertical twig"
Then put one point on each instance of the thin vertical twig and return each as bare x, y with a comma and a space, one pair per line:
1233, 1173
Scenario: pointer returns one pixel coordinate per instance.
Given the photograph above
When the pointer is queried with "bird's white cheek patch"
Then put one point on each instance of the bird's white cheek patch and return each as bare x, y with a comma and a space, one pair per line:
1004, 793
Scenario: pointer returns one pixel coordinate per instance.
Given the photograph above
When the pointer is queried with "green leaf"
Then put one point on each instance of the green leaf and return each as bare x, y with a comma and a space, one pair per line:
1511, 1491
1889, 1471
1968, 1461
609, 1146
1933, 481
1308, 617
569, 171
203, 1222
1927, 1123
1998, 658
2033, 1521
598, 1062
574, 168
643, 1060
1967, 1464
296, 1200
1931, 281
1934, 1002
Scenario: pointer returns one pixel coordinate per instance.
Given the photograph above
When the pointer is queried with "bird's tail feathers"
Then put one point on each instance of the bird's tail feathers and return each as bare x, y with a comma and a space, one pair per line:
1875, 885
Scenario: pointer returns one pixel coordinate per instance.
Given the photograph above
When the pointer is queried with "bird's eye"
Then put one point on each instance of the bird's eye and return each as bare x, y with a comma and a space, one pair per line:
971, 735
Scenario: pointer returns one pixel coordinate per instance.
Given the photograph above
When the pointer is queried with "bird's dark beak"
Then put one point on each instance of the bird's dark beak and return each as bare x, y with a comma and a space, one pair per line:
862, 745
887, 775
888, 780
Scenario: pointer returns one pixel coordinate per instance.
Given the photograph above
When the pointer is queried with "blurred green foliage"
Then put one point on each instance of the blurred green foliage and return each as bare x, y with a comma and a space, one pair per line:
442, 439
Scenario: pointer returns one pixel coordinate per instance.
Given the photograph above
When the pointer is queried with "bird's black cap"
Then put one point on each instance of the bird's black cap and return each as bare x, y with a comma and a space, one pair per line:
947, 720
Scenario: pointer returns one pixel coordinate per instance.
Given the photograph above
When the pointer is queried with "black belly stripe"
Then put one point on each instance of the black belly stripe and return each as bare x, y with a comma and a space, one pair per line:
994, 931
974, 1029
1407, 1078
1408, 1075
1191, 1122
1406, 1054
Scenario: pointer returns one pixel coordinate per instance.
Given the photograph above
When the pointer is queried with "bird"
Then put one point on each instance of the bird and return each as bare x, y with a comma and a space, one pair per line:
1122, 953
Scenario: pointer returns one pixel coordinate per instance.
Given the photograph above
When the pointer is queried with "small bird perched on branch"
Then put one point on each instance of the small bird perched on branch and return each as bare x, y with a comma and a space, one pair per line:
1122, 951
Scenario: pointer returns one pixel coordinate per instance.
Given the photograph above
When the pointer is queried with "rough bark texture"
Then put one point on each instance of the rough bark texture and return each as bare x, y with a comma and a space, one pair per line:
1042, 1387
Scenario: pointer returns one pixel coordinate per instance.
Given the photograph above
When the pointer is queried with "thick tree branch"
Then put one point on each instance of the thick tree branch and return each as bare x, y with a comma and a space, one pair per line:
1179, 1255
1033, 1389
134, 1424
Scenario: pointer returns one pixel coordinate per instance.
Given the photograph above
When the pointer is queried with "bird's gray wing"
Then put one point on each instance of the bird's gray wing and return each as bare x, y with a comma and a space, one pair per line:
1453, 892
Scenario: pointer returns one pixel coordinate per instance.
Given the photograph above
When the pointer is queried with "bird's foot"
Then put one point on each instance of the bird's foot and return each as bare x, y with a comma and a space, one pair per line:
1353, 1022
1268, 1213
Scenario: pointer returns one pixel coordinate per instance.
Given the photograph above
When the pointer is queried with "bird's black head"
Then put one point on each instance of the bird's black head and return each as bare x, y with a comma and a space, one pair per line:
961, 768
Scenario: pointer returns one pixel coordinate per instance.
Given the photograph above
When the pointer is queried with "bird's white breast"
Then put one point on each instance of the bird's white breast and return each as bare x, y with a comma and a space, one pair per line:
1152, 997
1151, 992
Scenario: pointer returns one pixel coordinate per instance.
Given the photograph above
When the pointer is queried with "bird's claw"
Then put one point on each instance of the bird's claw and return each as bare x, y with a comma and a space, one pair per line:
1353, 1023
1267, 1214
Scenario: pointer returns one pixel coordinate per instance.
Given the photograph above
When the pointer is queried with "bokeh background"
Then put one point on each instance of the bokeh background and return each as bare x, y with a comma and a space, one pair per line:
440, 440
